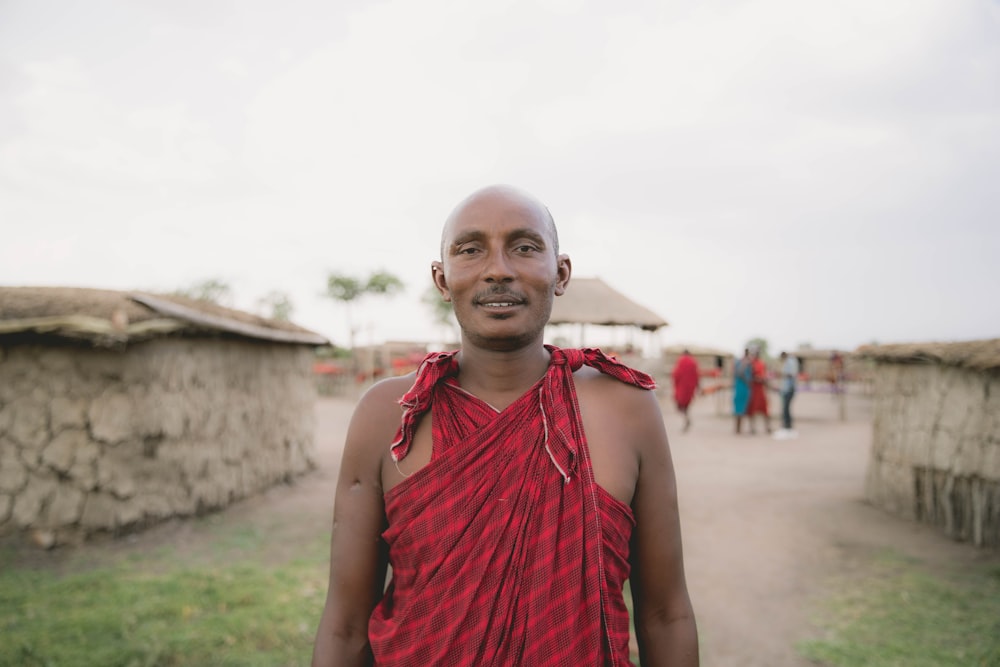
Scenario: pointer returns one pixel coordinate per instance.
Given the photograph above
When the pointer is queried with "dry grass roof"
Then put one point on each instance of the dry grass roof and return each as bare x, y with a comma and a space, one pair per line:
980, 355
592, 301
109, 317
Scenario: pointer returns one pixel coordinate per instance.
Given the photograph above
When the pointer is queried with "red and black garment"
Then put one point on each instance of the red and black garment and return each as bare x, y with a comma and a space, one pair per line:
504, 550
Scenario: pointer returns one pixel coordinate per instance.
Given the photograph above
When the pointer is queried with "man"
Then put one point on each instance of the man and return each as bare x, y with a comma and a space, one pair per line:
789, 374
515, 490
686, 379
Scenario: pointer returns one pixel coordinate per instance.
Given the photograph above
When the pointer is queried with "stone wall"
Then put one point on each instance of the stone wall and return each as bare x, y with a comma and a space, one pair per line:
112, 440
936, 448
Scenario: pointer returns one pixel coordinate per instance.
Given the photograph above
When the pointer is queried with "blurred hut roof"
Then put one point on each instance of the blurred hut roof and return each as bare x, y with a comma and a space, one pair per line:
592, 301
818, 353
697, 350
109, 317
976, 354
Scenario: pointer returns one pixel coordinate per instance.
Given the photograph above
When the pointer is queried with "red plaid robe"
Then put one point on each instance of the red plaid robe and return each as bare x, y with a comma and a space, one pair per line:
504, 549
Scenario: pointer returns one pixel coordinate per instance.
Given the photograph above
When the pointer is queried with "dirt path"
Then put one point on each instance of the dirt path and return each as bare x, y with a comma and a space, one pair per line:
771, 526
768, 525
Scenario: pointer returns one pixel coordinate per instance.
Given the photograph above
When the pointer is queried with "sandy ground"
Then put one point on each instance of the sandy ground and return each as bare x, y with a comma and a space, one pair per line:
770, 526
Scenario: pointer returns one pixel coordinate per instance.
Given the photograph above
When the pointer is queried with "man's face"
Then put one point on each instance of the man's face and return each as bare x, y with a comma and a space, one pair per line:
499, 269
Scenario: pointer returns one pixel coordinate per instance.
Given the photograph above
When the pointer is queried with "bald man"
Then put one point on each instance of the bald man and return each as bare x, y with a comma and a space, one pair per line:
513, 487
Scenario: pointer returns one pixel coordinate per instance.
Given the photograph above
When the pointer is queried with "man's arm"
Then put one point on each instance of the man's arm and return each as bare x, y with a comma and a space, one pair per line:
358, 555
663, 615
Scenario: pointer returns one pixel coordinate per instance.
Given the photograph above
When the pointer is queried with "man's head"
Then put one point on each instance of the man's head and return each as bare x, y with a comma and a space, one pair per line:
500, 267
514, 194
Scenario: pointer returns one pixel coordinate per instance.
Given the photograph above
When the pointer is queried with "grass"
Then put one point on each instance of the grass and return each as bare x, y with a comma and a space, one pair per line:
903, 616
146, 612
229, 606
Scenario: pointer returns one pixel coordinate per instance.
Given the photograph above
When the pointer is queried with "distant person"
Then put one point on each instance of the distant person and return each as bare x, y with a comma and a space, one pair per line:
685, 376
758, 391
789, 376
836, 372
513, 488
742, 378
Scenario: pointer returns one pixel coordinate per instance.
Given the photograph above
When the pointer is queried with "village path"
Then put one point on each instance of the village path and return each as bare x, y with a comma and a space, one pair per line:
770, 527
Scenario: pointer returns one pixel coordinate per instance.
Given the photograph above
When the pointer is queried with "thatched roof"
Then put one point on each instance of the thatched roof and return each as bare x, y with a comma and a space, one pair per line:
976, 354
812, 353
109, 317
592, 301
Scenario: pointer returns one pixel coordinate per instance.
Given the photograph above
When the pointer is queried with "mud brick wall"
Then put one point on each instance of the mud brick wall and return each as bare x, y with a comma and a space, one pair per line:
113, 440
936, 448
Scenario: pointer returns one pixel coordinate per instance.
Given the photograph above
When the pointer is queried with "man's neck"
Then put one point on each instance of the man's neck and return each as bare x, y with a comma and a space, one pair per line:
500, 377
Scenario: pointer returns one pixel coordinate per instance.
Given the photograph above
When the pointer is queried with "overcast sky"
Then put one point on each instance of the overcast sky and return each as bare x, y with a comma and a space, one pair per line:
801, 171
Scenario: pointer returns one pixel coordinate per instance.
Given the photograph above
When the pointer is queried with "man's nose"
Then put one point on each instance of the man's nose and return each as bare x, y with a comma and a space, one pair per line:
498, 268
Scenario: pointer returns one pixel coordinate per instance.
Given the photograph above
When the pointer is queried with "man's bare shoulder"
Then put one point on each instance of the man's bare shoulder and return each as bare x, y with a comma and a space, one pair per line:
387, 391
592, 383
377, 414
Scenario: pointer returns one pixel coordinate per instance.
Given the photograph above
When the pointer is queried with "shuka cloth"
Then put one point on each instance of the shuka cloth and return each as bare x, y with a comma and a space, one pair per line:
504, 550
758, 393
685, 376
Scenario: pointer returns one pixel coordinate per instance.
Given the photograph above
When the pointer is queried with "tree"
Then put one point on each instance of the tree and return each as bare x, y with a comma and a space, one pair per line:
212, 290
441, 310
349, 289
761, 345
278, 304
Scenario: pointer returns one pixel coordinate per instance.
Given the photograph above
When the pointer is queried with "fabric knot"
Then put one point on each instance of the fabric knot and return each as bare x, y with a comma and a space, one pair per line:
415, 402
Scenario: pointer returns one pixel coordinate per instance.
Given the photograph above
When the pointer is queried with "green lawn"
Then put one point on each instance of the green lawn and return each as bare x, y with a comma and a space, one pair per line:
228, 608
149, 611
903, 616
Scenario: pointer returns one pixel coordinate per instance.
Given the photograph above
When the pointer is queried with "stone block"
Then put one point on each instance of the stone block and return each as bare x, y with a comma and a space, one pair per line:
98, 512
65, 508
60, 453
115, 477
128, 513
167, 415
6, 505
6, 417
66, 412
13, 473
30, 422
154, 506
28, 504
84, 474
111, 417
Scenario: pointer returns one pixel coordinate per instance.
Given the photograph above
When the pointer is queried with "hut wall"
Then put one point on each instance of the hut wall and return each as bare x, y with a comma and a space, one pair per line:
935, 454
111, 440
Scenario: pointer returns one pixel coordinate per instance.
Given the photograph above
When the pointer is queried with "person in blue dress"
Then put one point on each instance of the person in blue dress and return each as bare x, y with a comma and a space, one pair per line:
742, 377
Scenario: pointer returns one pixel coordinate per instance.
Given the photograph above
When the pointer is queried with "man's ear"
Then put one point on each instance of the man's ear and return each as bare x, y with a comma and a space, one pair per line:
563, 271
437, 275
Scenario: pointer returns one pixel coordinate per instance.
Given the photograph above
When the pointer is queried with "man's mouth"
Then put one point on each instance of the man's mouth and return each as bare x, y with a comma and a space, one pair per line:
498, 299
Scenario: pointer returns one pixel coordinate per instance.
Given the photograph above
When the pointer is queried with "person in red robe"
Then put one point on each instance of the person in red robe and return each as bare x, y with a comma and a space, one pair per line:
758, 392
686, 378
513, 487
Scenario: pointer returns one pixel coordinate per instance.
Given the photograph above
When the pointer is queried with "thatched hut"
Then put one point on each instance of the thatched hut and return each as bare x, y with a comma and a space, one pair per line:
119, 410
591, 301
936, 443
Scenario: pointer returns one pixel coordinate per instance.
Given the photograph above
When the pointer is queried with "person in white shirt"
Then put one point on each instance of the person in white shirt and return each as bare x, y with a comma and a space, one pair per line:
789, 374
